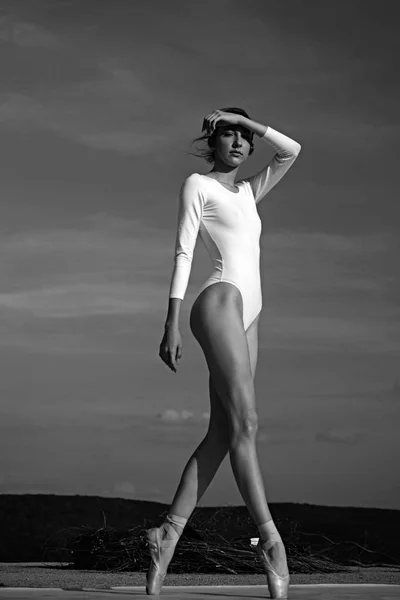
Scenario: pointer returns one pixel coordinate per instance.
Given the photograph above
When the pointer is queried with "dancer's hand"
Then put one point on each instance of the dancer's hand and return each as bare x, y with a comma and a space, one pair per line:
210, 121
171, 348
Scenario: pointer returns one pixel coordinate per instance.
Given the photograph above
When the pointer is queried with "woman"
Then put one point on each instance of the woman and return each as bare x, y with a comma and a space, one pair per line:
224, 320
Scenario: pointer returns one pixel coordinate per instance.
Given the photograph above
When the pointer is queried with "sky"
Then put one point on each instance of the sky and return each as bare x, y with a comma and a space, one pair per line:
99, 104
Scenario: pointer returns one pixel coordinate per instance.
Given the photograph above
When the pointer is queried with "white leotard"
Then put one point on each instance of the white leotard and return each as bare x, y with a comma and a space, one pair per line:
229, 226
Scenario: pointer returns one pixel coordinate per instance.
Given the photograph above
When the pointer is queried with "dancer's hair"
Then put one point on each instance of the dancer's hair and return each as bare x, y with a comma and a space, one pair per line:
208, 153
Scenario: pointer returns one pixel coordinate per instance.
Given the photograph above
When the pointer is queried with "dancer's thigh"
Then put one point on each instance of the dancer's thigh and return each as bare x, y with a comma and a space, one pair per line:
216, 323
219, 423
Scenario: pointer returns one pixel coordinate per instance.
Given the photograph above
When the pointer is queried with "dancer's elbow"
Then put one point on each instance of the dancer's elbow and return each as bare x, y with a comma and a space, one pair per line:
296, 148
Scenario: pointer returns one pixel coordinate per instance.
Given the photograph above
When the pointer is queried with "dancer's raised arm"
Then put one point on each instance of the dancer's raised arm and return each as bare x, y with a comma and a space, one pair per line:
287, 150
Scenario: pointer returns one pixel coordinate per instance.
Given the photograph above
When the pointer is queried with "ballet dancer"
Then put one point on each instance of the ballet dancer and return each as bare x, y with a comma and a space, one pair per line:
224, 320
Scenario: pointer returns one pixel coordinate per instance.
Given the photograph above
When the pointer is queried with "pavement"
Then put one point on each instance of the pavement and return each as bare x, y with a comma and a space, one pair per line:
322, 591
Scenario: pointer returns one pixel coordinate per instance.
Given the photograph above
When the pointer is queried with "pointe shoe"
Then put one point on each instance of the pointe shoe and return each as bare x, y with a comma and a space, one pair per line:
278, 586
161, 552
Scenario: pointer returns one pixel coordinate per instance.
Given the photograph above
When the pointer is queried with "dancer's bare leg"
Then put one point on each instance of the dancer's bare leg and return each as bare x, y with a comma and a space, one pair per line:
217, 325
202, 465
208, 456
196, 477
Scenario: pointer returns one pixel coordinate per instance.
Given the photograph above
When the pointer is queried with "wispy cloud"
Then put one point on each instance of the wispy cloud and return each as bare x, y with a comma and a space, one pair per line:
111, 113
85, 299
103, 250
321, 290
171, 415
325, 290
127, 489
26, 34
335, 436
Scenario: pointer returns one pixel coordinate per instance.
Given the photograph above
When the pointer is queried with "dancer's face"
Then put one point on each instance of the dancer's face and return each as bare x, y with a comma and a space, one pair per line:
230, 138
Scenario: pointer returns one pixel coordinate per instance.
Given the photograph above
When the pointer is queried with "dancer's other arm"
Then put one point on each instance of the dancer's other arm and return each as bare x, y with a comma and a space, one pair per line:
191, 203
171, 343
174, 307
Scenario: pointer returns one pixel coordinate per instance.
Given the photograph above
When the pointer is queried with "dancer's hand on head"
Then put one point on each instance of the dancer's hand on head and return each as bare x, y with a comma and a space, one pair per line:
171, 348
211, 120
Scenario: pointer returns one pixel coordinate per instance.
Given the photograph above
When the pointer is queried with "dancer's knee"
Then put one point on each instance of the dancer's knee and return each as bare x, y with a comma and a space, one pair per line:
243, 429
241, 413
241, 409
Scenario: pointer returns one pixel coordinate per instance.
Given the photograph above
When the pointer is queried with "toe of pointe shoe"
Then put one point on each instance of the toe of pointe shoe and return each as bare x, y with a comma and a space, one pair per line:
154, 581
278, 586
155, 576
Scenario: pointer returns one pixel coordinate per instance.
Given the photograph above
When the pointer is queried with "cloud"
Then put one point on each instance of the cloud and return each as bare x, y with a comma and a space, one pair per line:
321, 291
126, 142
84, 300
325, 290
26, 34
106, 267
102, 268
171, 415
327, 332
340, 436
126, 489
108, 113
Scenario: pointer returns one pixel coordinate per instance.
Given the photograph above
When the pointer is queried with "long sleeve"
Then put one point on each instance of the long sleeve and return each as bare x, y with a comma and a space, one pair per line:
190, 212
287, 151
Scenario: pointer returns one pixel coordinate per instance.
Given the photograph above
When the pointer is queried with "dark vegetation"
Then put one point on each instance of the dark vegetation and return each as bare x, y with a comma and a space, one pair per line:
90, 532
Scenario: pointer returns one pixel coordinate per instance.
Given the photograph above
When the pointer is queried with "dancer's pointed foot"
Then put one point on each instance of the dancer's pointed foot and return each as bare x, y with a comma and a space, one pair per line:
273, 557
161, 552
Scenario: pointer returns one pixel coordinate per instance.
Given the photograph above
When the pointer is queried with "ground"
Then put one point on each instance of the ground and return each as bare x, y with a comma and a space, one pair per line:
52, 575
